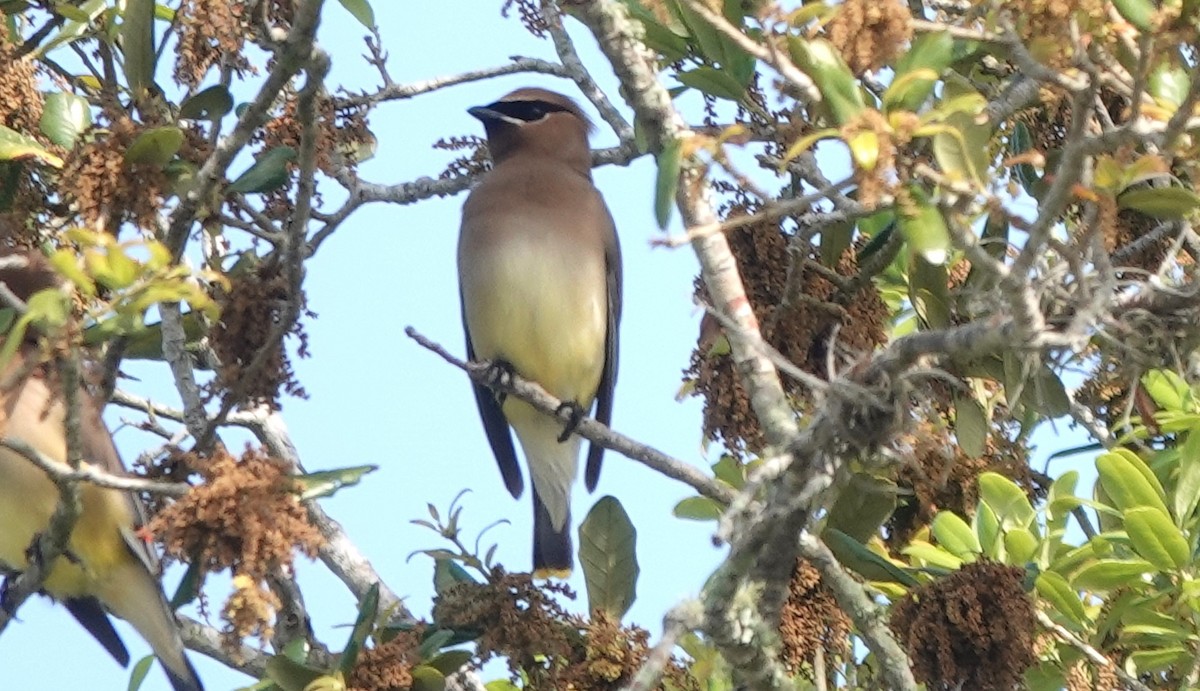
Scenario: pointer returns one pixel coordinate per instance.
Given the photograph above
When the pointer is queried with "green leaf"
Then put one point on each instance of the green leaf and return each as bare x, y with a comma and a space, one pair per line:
64, 117
867, 504
138, 675
731, 471
932, 555
1157, 659
1054, 589
924, 228
1169, 85
1061, 499
137, 45
1156, 538
963, 150
698, 509
1160, 202
607, 552
364, 624
79, 20
918, 70
1006, 499
291, 675
822, 62
155, 146
1129, 482
1187, 488
861, 560
1110, 574
361, 10
1168, 389
1139, 13
970, 425
953, 533
325, 482
713, 82
450, 661
268, 173
670, 163
987, 528
448, 573
189, 586
212, 103
1021, 545
433, 641
15, 146
426, 678
1049, 395
704, 36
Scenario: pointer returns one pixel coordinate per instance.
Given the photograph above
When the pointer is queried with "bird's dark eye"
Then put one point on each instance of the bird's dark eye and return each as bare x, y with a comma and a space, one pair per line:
529, 111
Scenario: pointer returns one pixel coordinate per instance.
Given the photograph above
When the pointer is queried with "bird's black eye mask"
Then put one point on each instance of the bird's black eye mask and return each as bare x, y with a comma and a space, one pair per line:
528, 111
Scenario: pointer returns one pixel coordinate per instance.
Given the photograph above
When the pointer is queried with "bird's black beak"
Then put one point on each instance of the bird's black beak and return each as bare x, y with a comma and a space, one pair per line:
485, 113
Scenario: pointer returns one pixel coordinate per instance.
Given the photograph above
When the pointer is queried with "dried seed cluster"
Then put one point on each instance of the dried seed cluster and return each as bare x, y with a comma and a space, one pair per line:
870, 33
973, 629
811, 621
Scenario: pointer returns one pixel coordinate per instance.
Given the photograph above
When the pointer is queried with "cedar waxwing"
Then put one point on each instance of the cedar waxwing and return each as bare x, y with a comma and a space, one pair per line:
106, 566
539, 272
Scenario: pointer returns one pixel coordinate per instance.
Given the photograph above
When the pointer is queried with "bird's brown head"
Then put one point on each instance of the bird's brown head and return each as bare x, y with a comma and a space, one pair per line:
26, 272
537, 121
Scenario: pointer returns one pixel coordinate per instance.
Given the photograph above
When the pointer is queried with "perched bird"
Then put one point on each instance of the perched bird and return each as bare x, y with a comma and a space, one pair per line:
106, 566
539, 272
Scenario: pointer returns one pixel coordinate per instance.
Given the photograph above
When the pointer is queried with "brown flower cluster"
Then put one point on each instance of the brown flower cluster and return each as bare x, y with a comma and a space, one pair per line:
1046, 25
249, 312
870, 33
530, 15
476, 161
107, 191
542, 644
387, 666
21, 101
1083, 676
245, 517
339, 129
943, 478
211, 33
973, 629
811, 620
800, 308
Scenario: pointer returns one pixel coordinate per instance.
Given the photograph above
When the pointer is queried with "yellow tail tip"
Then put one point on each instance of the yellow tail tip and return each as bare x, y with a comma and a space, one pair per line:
547, 574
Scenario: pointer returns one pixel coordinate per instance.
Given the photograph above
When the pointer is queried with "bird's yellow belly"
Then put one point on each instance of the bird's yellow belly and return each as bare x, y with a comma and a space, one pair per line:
544, 314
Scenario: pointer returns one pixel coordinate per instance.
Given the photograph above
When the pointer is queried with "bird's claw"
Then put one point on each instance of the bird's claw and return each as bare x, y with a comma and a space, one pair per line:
575, 415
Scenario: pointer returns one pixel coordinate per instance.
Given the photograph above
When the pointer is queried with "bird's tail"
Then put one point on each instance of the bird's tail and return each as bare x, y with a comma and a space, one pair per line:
553, 555
135, 596
552, 467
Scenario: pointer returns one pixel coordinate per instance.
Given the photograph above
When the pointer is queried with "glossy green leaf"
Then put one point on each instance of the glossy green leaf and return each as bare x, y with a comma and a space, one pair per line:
1169, 85
1160, 202
325, 483
137, 45
698, 509
730, 470
448, 573
970, 425
1006, 499
953, 533
137, 676
212, 103
1110, 574
931, 554
924, 228
291, 675
860, 559
426, 678
712, 81
1053, 588
822, 62
268, 173
360, 10
1167, 388
1156, 659
64, 117
155, 146
1187, 488
1143, 621
1047, 393
608, 554
79, 19
1139, 13
450, 661
1129, 482
433, 641
1021, 545
987, 528
670, 164
865, 506
15, 146
364, 624
1061, 499
918, 70
963, 149
1156, 538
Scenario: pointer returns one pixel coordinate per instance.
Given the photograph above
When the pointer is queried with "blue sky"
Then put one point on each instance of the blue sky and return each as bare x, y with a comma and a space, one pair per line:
378, 398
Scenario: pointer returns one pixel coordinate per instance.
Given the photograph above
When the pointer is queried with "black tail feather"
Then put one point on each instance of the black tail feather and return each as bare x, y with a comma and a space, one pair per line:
553, 554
